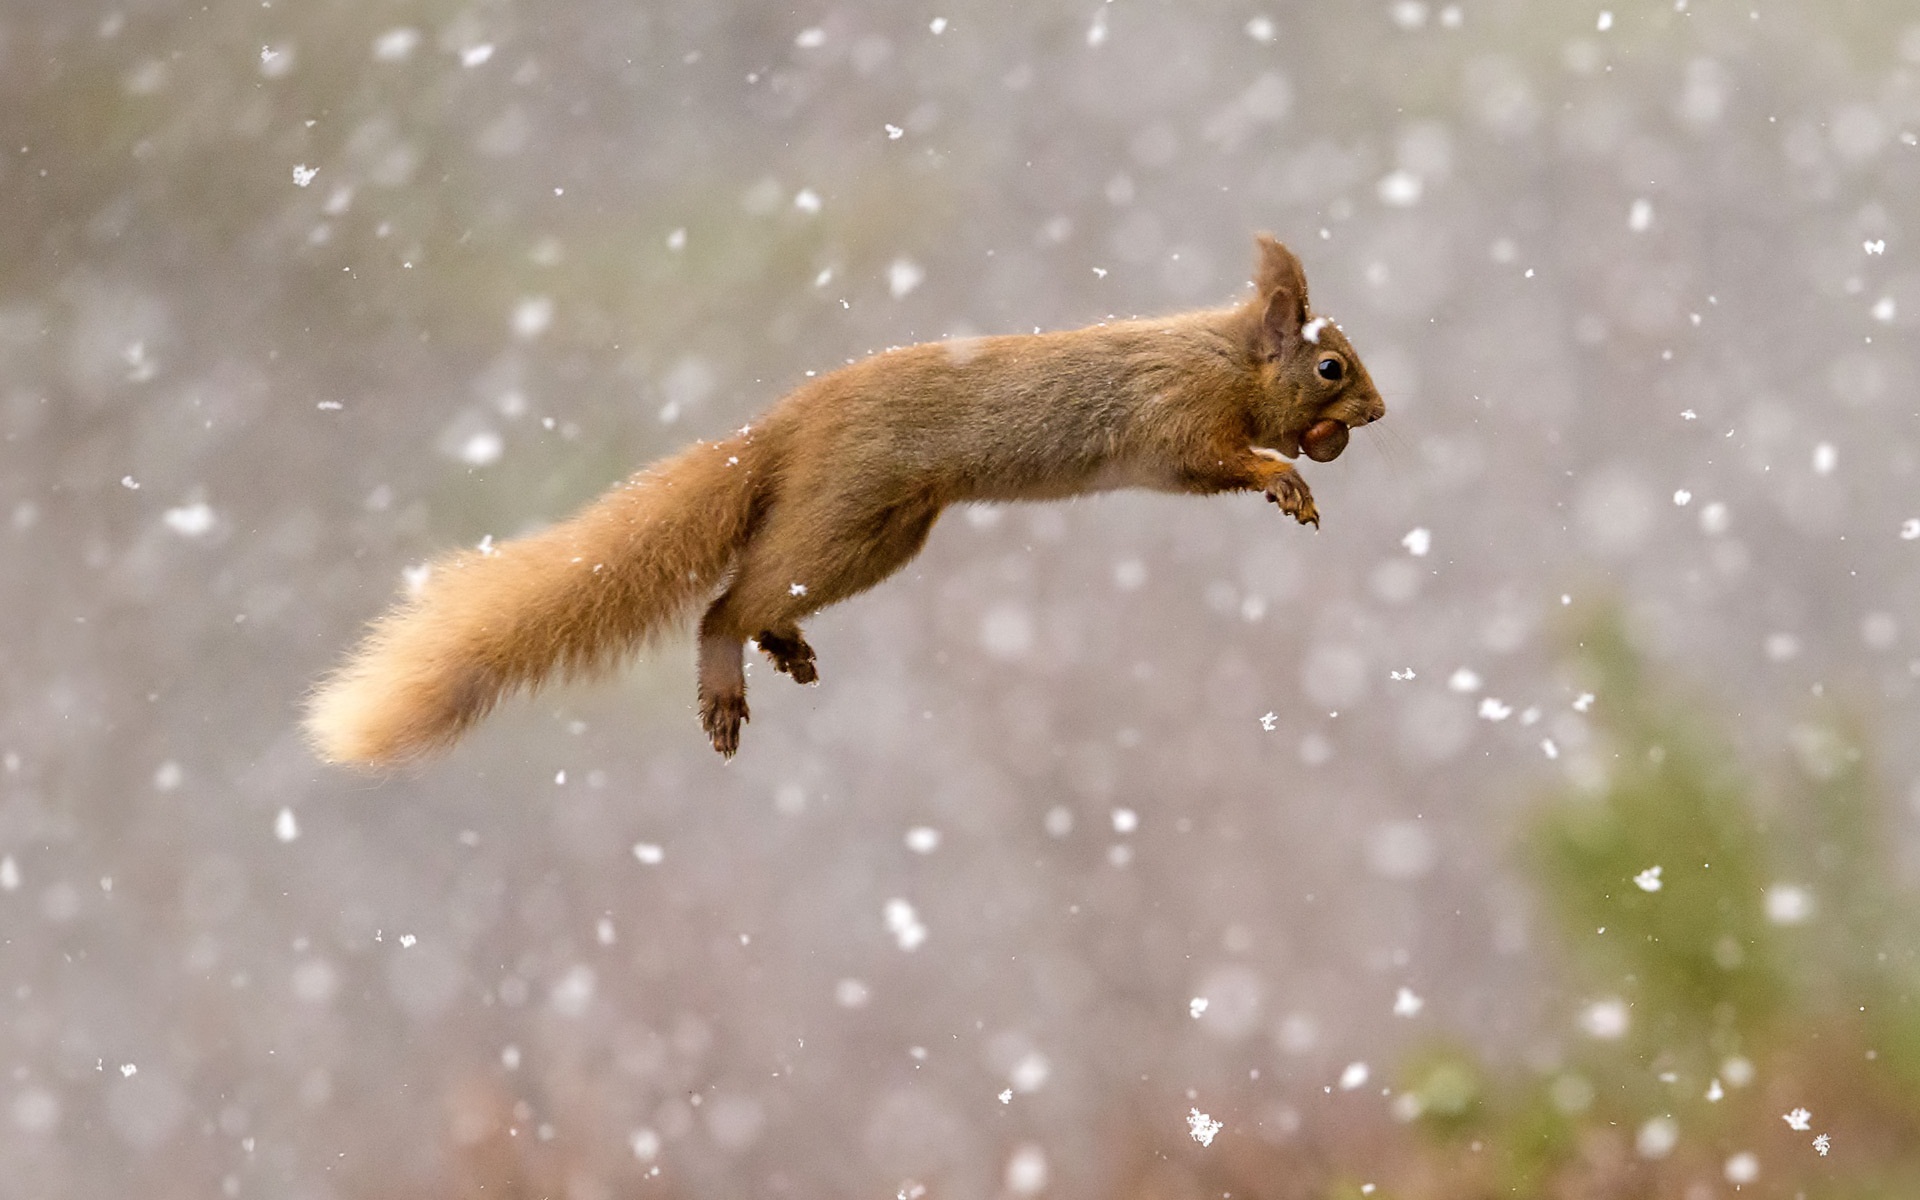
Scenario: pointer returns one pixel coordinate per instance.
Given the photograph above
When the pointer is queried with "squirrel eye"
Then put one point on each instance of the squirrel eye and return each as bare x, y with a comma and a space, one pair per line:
1330, 369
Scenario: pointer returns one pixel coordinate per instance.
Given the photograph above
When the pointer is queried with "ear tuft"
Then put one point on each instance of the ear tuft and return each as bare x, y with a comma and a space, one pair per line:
1282, 285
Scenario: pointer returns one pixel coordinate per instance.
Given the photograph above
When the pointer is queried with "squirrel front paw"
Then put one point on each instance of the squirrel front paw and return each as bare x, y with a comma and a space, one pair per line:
1290, 492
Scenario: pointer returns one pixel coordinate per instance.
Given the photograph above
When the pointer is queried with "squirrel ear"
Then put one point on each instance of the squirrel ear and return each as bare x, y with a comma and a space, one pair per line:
1282, 286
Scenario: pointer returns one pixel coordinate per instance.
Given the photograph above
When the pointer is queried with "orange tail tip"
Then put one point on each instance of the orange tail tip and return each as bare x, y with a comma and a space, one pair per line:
571, 600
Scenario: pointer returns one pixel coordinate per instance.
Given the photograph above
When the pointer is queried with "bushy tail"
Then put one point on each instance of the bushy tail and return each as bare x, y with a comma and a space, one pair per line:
570, 600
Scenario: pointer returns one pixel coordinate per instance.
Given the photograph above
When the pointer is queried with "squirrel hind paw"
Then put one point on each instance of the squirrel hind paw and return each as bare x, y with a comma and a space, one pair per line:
721, 715
790, 656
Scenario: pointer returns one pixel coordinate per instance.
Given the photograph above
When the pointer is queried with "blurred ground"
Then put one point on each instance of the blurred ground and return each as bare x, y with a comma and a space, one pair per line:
293, 297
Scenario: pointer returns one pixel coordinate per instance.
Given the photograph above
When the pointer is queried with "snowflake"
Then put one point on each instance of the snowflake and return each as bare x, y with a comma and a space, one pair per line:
1648, 880
1201, 1126
1798, 1120
1267, 721
1823, 1143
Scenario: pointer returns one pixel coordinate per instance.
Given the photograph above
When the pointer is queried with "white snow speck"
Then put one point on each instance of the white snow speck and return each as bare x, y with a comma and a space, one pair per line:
303, 174
851, 993
1823, 1144
1031, 1072
1877, 246
1406, 1004
1605, 1019
1464, 680
1657, 1138
1715, 1092
677, 240
1885, 310
396, 45
572, 995
1027, 1171
1605, 21
1789, 904
904, 924
1825, 458
1125, 820
1262, 29
1548, 748
1494, 709
1799, 1120
285, 827
807, 201
1583, 702
1400, 188
474, 56
408, 941
1909, 528
1648, 880
1640, 216
1097, 32
1353, 1076
1743, 1168
894, 132
1196, 1006
1006, 1095
128, 1070
903, 276
1714, 518
1401, 676
1266, 722
796, 589
645, 1144
189, 520
532, 316
604, 932
923, 839
649, 853
809, 39
9, 874
1201, 1126
1418, 542
938, 26
1409, 14
1683, 497
1311, 330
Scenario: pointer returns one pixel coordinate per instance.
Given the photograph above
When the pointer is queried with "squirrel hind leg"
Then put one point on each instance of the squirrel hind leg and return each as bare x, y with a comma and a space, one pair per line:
723, 685
790, 653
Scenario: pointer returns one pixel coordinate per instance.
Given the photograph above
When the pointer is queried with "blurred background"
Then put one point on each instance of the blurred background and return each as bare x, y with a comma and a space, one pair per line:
1540, 826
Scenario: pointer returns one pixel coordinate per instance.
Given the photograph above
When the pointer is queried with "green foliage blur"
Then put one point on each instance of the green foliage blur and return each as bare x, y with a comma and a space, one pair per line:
1736, 949
1733, 948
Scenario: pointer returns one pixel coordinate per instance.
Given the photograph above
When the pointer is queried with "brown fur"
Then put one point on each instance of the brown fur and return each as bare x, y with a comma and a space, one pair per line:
835, 489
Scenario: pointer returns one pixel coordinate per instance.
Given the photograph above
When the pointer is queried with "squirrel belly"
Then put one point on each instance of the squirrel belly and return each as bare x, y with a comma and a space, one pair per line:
836, 488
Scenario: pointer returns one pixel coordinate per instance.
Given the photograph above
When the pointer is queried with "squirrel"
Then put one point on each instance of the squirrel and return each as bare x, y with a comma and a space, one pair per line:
835, 488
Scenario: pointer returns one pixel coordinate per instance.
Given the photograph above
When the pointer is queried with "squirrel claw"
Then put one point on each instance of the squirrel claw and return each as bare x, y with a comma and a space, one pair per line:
721, 716
1294, 499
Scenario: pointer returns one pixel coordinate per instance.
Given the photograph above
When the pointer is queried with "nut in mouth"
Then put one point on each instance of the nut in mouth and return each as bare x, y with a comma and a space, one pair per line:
1324, 440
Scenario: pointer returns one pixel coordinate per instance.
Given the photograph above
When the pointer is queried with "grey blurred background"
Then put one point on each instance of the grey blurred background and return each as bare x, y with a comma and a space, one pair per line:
295, 296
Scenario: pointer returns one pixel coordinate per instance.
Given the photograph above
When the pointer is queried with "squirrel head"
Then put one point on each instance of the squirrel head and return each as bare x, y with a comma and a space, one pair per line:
1309, 373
